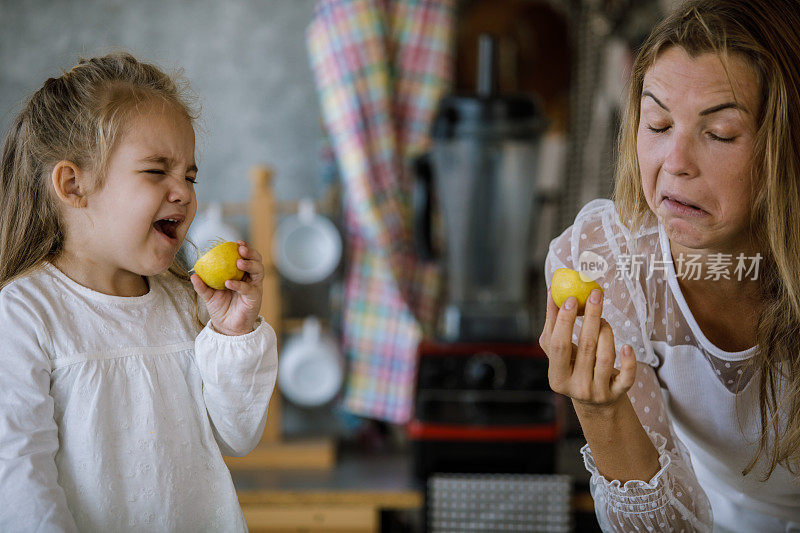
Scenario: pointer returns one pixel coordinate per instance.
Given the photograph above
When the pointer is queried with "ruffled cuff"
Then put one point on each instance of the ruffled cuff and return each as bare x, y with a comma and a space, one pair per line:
213, 333
237, 362
635, 496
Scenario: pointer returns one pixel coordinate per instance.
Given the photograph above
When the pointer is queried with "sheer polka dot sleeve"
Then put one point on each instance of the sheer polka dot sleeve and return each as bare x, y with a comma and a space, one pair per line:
597, 235
672, 500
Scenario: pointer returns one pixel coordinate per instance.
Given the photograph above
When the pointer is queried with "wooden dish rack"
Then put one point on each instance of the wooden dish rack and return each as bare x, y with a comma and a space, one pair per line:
263, 211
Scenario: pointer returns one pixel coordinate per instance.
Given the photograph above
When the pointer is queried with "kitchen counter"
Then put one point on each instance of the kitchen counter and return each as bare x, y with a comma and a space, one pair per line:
379, 479
351, 496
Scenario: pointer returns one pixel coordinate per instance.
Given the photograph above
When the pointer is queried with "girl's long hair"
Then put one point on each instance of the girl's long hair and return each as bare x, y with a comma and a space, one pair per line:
78, 117
765, 33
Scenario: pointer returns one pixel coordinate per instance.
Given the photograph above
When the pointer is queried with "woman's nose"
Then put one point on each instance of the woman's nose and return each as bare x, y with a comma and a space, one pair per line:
679, 160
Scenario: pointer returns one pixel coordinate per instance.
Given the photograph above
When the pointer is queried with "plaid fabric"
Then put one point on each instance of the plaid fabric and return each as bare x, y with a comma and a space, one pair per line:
380, 69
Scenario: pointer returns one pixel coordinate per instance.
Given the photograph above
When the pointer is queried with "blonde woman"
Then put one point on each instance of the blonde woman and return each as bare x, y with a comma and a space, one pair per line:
685, 371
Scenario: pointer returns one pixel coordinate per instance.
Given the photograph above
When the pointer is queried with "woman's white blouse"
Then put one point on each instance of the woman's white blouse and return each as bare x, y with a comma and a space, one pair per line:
685, 394
115, 411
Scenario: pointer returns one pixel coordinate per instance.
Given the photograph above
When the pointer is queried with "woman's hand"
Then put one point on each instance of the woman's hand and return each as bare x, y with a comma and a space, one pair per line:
234, 311
585, 372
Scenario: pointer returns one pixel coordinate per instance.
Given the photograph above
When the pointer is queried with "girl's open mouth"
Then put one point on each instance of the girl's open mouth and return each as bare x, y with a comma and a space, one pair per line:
167, 227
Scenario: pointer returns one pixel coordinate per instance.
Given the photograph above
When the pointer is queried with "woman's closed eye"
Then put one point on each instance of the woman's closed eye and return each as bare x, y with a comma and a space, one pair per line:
720, 138
657, 130
711, 135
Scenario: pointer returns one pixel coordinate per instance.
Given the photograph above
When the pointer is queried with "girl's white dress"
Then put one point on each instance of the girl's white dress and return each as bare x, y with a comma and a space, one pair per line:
115, 411
685, 392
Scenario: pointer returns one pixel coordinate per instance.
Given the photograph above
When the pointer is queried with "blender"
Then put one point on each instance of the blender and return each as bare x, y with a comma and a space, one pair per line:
482, 401
482, 167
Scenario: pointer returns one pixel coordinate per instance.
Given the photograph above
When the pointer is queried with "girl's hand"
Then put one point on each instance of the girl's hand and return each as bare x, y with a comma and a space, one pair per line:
585, 372
234, 311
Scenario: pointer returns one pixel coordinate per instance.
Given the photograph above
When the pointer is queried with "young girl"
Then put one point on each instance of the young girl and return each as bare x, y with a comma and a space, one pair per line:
698, 424
116, 405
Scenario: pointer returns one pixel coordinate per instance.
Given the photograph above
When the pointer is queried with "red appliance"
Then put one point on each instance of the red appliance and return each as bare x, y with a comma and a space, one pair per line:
484, 407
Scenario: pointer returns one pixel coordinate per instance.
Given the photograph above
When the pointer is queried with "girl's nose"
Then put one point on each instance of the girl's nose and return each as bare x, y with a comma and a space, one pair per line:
180, 193
679, 160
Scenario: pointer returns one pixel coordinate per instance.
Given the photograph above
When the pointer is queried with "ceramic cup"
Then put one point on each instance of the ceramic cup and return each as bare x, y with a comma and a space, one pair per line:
307, 246
311, 368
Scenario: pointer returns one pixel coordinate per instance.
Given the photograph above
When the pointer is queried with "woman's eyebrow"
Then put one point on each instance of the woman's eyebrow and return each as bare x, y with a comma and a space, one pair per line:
720, 107
710, 110
166, 161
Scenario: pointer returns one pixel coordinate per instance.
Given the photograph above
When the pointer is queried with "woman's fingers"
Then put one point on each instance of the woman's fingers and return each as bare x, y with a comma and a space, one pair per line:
549, 322
587, 342
627, 374
586, 372
560, 344
604, 366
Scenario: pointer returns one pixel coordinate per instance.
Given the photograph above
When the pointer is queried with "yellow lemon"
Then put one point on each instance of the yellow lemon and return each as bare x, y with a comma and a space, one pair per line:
567, 282
218, 265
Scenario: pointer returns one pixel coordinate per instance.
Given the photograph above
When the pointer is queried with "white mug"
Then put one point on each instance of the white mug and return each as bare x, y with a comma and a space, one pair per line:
307, 246
311, 367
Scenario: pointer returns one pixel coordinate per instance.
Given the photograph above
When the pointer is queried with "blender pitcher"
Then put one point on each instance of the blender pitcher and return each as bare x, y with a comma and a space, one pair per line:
482, 166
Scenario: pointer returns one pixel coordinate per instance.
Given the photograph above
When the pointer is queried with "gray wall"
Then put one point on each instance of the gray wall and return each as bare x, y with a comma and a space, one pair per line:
245, 59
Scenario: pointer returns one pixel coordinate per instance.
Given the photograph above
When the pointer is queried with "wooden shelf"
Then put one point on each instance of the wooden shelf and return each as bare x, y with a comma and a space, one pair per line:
308, 519
273, 452
408, 499
348, 498
288, 455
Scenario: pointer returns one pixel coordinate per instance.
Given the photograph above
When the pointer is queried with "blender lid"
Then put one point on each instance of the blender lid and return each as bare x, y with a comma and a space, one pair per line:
487, 114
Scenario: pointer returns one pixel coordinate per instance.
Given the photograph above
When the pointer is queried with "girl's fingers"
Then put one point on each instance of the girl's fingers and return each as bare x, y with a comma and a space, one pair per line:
237, 286
202, 289
627, 374
587, 343
252, 267
247, 252
604, 366
560, 343
251, 262
244, 288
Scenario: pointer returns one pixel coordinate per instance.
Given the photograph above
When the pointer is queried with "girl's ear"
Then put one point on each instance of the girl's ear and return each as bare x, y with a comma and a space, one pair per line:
69, 184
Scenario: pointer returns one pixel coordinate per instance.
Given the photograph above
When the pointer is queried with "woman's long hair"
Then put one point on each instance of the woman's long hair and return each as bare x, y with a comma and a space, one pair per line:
765, 33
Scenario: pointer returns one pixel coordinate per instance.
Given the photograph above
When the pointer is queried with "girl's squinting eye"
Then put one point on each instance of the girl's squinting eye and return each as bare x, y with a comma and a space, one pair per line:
191, 179
155, 171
